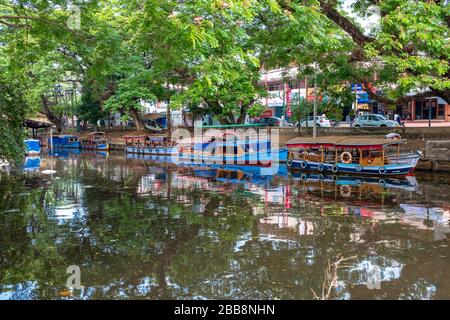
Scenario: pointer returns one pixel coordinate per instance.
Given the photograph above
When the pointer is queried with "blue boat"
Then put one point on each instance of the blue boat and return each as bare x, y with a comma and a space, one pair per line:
33, 147
150, 145
354, 155
234, 151
65, 141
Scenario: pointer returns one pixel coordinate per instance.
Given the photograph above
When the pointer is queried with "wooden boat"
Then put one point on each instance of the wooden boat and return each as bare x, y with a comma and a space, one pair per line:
95, 141
234, 151
357, 155
64, 141
150, 145
33, 147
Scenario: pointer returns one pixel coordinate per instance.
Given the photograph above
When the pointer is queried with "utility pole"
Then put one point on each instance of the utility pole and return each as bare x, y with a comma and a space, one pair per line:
429, 113
315, 102
168, 115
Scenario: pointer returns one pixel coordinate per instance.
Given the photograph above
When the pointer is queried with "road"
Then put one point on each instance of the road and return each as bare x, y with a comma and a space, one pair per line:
412, 124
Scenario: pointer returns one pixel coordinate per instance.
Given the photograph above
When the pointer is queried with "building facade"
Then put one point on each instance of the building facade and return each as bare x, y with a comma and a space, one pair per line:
434, 108
281, 91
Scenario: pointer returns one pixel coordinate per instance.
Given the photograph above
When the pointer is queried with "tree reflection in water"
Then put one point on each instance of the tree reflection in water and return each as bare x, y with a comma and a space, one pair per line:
143, 230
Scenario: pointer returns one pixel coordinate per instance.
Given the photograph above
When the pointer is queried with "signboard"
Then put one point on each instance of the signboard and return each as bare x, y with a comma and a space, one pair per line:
310, 95
288, 101
361, 94
267, 113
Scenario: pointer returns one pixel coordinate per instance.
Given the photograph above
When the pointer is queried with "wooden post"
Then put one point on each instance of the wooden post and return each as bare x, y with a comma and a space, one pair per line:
51, 139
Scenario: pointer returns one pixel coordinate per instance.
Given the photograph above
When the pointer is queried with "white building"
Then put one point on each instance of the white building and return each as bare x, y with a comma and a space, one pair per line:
281, 84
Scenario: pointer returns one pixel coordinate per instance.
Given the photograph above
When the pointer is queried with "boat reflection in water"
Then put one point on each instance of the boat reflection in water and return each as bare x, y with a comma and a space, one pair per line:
168, 231
32, 164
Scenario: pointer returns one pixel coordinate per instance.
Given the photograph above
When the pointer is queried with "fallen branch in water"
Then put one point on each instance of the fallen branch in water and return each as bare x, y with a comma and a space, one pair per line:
330, 277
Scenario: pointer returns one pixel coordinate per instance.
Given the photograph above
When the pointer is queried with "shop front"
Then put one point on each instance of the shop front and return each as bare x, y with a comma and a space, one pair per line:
426, 109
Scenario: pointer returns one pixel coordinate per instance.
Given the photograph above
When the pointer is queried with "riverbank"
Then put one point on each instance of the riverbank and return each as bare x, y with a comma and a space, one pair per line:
418, 138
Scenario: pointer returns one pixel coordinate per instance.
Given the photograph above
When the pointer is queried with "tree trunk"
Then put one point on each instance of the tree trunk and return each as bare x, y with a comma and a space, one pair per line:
138, 122
231, 118
58, 121
244, 110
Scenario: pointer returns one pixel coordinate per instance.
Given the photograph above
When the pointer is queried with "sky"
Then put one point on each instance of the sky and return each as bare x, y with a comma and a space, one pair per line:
367, 22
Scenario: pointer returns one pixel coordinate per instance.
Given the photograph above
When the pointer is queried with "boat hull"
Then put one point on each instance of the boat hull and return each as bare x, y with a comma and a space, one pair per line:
99, 147
152, 151
266, 157
74, 145
390, 169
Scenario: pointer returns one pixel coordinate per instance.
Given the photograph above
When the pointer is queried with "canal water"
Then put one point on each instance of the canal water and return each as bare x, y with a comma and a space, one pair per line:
138, 228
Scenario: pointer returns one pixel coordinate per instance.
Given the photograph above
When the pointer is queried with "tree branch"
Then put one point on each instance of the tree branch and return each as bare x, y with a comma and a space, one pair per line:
405, 99
343, 22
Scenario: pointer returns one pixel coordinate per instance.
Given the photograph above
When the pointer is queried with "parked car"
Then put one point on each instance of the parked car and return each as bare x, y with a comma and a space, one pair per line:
374, 120
269, 121
321, 122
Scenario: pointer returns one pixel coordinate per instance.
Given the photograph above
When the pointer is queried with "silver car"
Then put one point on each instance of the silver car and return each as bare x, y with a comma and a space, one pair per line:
374, 120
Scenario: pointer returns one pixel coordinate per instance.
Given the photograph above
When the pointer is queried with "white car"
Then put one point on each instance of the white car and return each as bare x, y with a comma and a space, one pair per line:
374, 120
321, 122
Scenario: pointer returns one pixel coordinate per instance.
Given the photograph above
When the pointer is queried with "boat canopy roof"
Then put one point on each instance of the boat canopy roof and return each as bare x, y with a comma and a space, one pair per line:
361, 142
96, 133
64, 136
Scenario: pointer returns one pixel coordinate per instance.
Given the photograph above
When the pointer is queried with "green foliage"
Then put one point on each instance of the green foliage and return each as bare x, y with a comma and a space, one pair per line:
208, 55
130, 91
12, 116
89, 108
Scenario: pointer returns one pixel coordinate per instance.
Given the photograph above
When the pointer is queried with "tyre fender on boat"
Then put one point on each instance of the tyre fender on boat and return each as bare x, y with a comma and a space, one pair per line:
320, 167
359, 168
303, 164
289, 163
382, 170
335, 169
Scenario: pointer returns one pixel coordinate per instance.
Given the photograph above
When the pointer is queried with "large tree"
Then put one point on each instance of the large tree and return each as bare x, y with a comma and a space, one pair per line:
405, 54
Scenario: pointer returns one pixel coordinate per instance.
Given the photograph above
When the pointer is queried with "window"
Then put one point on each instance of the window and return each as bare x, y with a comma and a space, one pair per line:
373, 118
275, 86
441, 111
295, 84
363, 118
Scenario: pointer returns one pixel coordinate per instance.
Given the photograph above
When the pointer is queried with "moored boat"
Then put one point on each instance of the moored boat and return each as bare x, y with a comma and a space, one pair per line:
356, 155
33, 147
150, 145
95, 141
64, 141
234, 151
